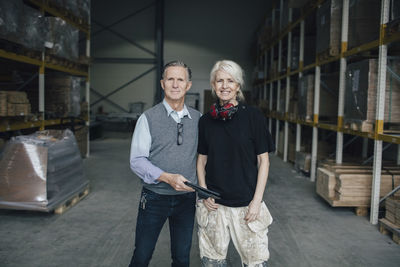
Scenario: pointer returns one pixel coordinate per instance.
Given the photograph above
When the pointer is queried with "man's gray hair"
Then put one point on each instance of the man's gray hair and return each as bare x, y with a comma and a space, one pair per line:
178, 63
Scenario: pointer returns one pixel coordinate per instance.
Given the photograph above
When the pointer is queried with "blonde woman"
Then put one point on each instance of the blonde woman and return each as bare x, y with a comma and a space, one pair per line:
233, 148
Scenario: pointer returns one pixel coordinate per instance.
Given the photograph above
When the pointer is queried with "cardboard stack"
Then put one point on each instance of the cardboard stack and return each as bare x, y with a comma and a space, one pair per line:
63, 95
361, 91
328, 97
364, 21
329, 23
14, 103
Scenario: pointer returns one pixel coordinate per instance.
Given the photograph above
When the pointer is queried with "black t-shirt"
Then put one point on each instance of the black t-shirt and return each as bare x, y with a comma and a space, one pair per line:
232, 147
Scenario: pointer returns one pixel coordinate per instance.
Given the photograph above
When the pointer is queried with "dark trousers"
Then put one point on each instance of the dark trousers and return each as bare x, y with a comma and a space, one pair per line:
154, 210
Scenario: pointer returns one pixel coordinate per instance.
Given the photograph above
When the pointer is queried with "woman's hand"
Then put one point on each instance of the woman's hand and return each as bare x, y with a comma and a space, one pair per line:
253, 211
210, 204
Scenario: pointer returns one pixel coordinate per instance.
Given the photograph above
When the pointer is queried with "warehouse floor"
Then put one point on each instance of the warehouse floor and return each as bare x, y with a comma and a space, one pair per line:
99, 230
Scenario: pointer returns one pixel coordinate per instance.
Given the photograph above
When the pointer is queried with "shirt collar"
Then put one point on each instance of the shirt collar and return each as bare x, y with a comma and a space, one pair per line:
170, 110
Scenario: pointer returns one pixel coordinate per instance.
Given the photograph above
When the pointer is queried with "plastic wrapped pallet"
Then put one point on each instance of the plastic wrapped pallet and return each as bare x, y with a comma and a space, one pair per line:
63, 95
62, 39
306, 97
364, 21
33, 30
10, 13
84, 9
328, 97
40, 171
361, 90
329, 16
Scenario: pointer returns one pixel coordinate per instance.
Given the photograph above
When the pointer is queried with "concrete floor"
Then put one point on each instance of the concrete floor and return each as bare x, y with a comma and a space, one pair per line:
99, 230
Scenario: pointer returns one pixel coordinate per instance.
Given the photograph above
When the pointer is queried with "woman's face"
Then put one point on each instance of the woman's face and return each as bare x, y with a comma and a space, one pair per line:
225, 87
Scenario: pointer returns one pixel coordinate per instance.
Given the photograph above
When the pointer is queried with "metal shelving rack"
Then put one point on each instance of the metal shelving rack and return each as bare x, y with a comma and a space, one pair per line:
43, 65
378, 135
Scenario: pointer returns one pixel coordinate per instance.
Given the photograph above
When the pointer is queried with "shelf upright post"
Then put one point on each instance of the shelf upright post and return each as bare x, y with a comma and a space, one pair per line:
342, 81
278, 95
289, 56
271, 88
315, 128
398, 154
41, 92
88, 94
41, 86
364, 148
301, 65
265, 76
380, 113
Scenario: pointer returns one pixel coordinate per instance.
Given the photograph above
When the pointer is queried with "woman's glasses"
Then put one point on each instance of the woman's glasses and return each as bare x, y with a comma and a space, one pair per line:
179, 139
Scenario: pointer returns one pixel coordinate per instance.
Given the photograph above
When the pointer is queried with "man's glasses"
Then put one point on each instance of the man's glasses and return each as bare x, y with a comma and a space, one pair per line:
179, 139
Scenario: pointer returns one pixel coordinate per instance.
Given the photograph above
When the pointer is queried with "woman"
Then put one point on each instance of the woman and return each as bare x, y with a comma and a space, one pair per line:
233, 160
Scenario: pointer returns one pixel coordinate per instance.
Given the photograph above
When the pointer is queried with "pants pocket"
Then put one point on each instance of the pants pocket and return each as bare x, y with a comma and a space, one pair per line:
263, 221
201, 214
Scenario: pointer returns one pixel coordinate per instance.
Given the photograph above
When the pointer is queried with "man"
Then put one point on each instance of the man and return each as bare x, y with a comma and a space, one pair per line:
163, 155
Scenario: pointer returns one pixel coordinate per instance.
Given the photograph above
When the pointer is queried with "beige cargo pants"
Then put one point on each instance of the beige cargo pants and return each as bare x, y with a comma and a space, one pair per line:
216, 228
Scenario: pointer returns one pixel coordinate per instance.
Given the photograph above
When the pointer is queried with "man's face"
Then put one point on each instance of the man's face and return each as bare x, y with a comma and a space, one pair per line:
175, 83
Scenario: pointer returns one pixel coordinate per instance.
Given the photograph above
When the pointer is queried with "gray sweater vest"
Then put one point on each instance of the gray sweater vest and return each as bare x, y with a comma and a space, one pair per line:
165, 152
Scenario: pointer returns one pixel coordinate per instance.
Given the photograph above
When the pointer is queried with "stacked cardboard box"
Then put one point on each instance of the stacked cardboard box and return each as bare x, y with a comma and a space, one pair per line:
14, 103
3, 103
63, 95
364, 21
361, 91
328, 96
81, 137
329, 16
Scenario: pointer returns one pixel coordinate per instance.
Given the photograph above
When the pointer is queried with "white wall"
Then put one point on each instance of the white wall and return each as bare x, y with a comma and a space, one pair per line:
197, 32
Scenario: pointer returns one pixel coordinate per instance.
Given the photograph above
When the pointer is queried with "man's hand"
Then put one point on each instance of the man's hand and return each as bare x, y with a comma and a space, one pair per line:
175, 180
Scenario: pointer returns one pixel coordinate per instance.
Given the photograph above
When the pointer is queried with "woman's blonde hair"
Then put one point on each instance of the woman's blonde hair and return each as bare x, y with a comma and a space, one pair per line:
233, 69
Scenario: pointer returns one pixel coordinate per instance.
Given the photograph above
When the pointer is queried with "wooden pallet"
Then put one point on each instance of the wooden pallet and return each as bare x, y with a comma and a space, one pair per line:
72, 201
386, 227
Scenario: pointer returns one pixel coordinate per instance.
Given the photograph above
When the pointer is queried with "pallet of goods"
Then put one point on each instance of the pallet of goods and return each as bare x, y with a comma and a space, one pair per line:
391, 223
42, 172
328, 97
329, 22
364, 20
14, 103
63, 95
350, 185
361, 92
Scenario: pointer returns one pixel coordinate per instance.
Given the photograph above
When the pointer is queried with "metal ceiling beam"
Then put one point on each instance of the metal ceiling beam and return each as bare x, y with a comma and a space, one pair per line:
159, 49
108, 100
126, 39
123, 86
117, 60
123, 19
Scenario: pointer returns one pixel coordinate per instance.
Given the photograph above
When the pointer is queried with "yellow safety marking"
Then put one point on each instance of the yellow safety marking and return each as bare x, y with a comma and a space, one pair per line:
315, 118
344, 47
340, 122
382, 34
378, 126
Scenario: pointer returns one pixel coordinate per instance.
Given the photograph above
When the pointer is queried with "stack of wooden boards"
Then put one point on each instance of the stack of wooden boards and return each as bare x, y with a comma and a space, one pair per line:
350, 185
391, 222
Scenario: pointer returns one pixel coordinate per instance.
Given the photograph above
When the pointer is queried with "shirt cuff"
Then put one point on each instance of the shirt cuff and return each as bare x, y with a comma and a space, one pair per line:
146, 170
